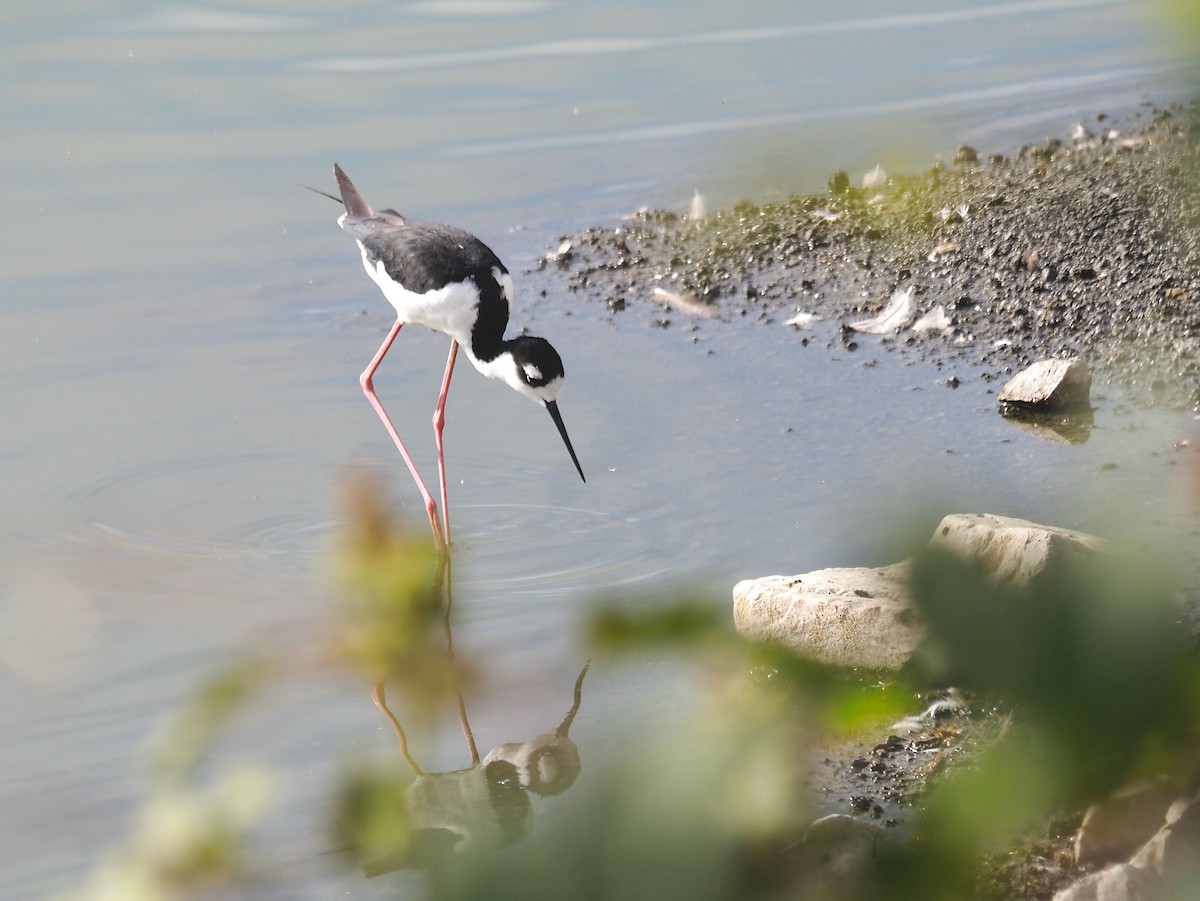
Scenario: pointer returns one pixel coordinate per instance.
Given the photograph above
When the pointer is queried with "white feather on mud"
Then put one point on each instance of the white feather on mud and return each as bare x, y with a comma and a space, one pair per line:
684, 303
875, 179
895, 316
935, 320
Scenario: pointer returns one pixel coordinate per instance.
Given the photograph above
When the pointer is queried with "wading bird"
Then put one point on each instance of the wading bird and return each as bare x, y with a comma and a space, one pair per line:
448, 280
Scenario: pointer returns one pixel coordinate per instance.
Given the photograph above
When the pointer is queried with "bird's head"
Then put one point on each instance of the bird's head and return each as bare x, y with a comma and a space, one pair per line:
536, 371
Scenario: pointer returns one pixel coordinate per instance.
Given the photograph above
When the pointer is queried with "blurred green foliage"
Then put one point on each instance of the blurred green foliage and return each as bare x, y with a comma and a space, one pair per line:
370, 812
1183, 19
391, 586
192, 734
1090, 658
189, 837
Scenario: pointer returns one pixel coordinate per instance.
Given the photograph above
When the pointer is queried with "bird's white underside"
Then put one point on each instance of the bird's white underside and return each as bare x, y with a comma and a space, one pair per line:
451, 311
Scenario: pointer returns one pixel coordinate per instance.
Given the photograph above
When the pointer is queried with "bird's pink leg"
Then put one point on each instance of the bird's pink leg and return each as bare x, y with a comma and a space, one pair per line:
439, 420
368, 389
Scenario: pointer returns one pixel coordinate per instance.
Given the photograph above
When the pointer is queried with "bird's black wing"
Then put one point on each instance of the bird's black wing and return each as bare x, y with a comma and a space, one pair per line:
425, 256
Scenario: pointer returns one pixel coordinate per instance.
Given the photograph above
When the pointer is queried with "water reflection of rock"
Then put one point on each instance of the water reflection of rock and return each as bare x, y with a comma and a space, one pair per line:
1059, 428
486, 805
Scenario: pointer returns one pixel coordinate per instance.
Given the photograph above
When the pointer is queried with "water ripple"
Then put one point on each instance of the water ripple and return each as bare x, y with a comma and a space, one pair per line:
574, 48
239, 506
542, 549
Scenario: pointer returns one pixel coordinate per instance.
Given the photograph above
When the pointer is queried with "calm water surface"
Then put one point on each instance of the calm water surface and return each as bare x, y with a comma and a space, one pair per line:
183, 328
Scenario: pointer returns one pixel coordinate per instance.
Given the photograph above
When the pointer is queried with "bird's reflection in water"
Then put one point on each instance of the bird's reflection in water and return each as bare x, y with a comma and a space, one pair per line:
486, 805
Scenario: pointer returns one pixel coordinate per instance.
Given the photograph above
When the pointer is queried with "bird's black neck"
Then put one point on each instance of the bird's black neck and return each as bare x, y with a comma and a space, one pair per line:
487, 335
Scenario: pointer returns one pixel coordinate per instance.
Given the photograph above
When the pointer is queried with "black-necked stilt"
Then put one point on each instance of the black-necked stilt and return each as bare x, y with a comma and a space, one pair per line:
444, 278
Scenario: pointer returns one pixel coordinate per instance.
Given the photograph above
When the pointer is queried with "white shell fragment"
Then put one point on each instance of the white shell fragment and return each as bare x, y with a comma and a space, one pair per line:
943, 249
893, 318
803, 320
562, 252
699, 208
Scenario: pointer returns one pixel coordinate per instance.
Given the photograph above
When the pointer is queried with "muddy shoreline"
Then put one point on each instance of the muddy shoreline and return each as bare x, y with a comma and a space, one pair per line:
1087, 245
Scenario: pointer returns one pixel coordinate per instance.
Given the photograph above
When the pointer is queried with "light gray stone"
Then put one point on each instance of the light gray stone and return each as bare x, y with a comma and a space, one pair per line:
1175, 849
837, 857
1119, 882
849, 617
863, 616
1013, 550
1114, 829
1184, 813
1050, 385
1170, 859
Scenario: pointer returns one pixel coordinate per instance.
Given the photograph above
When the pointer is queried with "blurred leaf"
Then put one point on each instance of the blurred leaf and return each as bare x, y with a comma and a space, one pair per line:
844, 701
371, 815
1091, 654
677, 625
1183, 16
184, 840
192, 735
392, 580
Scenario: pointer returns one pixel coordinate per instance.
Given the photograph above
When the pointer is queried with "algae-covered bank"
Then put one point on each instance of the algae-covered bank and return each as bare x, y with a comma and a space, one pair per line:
1086, 244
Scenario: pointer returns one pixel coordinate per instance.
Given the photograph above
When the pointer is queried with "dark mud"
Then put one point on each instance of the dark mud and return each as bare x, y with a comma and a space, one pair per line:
1086, 245
884, 783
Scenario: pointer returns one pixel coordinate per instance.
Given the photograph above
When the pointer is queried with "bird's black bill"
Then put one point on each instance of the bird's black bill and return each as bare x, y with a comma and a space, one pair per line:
319, 191
552, 406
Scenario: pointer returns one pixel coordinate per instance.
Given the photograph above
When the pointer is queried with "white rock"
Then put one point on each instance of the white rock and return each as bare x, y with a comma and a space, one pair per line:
1170, 858
1013, 550
1119, 882
863, 616
850, 617
1184, 811
1050, 385
1115, 828
1175, 849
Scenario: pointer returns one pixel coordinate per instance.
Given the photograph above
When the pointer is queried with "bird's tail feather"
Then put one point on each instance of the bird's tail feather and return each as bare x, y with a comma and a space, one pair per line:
355, 205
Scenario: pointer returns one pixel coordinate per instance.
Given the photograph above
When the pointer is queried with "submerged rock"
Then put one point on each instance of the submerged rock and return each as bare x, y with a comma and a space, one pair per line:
836, 856
863, 617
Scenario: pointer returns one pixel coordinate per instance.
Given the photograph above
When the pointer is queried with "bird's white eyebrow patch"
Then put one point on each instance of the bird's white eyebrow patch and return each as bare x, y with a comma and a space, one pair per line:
532, 372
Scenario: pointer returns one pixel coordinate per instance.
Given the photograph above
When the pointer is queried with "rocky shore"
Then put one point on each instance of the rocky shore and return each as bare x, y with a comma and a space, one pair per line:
1086, 245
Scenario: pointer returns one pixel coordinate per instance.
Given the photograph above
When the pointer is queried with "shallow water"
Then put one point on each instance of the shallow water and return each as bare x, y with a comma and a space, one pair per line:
183, 330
